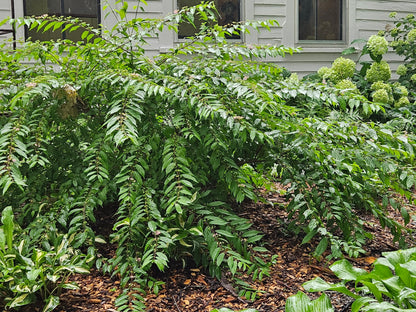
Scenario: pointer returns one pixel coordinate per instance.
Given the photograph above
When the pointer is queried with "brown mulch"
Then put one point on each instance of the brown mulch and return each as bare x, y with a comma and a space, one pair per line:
192, 289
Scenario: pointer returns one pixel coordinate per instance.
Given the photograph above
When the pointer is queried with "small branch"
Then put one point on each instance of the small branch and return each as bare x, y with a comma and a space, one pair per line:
176, 304
231, 290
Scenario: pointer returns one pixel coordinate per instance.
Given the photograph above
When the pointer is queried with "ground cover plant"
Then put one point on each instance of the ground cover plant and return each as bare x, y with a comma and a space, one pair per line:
176, 142
390, 286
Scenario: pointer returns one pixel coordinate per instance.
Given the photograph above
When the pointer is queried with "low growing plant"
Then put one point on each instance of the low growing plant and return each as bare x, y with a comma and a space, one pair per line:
389, 286
36, 264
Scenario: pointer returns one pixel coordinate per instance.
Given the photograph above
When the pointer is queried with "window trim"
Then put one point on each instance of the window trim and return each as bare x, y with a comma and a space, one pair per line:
290, 30
176, 38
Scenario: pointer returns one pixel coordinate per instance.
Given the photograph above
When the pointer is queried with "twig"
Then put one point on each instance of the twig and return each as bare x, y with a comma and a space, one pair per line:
231, 290
176, 304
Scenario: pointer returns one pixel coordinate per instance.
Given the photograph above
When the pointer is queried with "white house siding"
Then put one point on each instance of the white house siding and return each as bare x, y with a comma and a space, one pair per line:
270, 10
363, 18
153, 9
5, 11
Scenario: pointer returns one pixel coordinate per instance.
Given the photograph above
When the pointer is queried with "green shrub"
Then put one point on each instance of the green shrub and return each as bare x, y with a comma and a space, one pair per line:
176, 143
403, 35
168, 140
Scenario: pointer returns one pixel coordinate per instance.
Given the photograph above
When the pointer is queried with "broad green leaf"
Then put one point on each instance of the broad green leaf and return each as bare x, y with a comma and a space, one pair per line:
2, 239
360, 302
323, 303
318, 284
21, 300
344, 270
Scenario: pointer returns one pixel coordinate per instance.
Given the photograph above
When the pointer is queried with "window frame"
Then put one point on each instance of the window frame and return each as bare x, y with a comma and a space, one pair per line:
343, 27
344, 31
237, 40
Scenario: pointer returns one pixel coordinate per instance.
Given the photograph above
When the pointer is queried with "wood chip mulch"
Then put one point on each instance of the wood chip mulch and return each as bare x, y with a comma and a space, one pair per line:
192, 289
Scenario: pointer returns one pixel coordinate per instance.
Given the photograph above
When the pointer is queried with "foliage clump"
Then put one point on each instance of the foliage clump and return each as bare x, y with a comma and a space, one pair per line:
403, 36
168, 141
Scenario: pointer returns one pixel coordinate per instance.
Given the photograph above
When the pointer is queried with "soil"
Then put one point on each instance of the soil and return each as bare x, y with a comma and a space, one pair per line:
191, 289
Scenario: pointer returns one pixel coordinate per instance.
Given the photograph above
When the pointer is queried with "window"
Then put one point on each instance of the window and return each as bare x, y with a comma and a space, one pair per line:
229, 12
320, 20
87, 10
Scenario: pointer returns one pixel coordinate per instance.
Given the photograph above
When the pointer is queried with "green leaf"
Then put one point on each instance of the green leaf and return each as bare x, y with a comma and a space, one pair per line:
2, 239
21, 300
344, 270
318, 284
297, 303
51, 303
361, 302
322, 246
8, 225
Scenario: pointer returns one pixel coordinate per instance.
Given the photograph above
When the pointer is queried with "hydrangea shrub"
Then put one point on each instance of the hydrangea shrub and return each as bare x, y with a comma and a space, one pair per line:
403, 42
372, 80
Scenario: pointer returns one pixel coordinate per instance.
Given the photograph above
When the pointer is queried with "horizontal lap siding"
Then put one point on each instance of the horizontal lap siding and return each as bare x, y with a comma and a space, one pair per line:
270, 10
5, 12
153, 10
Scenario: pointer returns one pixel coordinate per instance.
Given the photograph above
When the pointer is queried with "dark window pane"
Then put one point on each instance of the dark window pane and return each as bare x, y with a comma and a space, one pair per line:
80, 8
307, 19
229, 12
36, 7
320, 19
87, 10
54, 7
